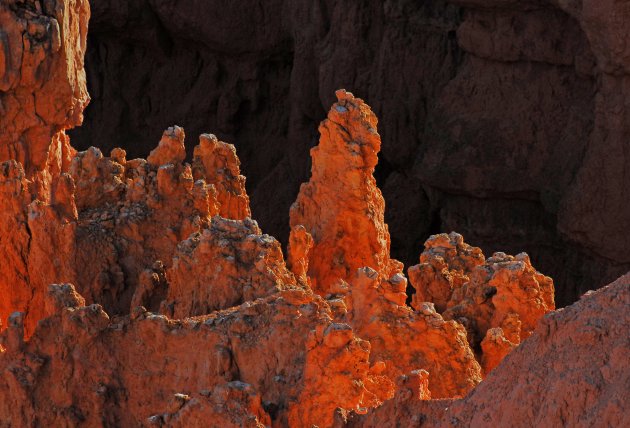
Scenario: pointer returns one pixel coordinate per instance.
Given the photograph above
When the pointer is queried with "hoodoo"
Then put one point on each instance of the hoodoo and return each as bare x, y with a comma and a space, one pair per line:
140, 292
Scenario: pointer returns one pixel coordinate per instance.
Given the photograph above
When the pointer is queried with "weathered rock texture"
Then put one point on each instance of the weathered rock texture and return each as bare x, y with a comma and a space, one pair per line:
183, 313
81, 366
342, 210
499, 300
341, 207
572, 371
109, 219
497, 115
225, 265
42, 80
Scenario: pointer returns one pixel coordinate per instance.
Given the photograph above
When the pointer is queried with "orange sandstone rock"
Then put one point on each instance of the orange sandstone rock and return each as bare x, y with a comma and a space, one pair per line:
242, 339
170, 150
572, 371
343, 210
232, 405
107, 220
409, 340
411, 406
42, 81
499, 300
445, 265
225, 265
216, 162
142, 369
341, 207
300, 244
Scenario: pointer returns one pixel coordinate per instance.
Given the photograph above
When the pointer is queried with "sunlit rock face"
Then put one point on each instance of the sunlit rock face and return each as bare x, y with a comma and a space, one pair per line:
571, 371
499, 300
147, 291
494, 115
42, 80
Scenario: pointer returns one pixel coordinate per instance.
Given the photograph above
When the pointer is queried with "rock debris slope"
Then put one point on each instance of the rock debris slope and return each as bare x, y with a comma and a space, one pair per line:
140, 292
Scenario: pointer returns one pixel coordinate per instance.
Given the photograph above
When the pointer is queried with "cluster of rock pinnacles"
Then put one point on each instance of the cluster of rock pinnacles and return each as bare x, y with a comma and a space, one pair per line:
161, 277
140, 292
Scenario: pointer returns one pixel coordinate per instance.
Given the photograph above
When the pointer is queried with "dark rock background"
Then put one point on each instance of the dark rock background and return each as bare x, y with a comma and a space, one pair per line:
503, 120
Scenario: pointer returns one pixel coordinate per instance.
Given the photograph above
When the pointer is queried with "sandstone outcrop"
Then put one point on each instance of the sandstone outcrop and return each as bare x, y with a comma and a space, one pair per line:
42, 81
184, 313
341, 207
342, 210
409, 340
496, 115
572, 371
108, 220
282, 351
225, 265
445, 266
499, 300
217, 163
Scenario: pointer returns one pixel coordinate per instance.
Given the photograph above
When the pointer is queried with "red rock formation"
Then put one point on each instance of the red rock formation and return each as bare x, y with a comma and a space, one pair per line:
494, 115
499, 300
109, 219
445, 266
127, 371
411, 406
242, 340
300, 244
343, 211
232, 405
225, 265
341, 207
216, 162
377, 312
42, 81
572, 371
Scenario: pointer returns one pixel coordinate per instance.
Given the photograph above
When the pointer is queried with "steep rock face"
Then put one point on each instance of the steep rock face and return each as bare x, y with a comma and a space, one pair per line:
494, 115
42, 93
42, 80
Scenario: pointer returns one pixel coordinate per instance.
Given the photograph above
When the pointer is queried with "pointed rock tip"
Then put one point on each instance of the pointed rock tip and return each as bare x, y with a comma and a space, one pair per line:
342, 94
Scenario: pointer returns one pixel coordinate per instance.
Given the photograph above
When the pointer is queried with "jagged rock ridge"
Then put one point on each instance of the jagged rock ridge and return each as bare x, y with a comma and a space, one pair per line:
182, 312
495, 115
